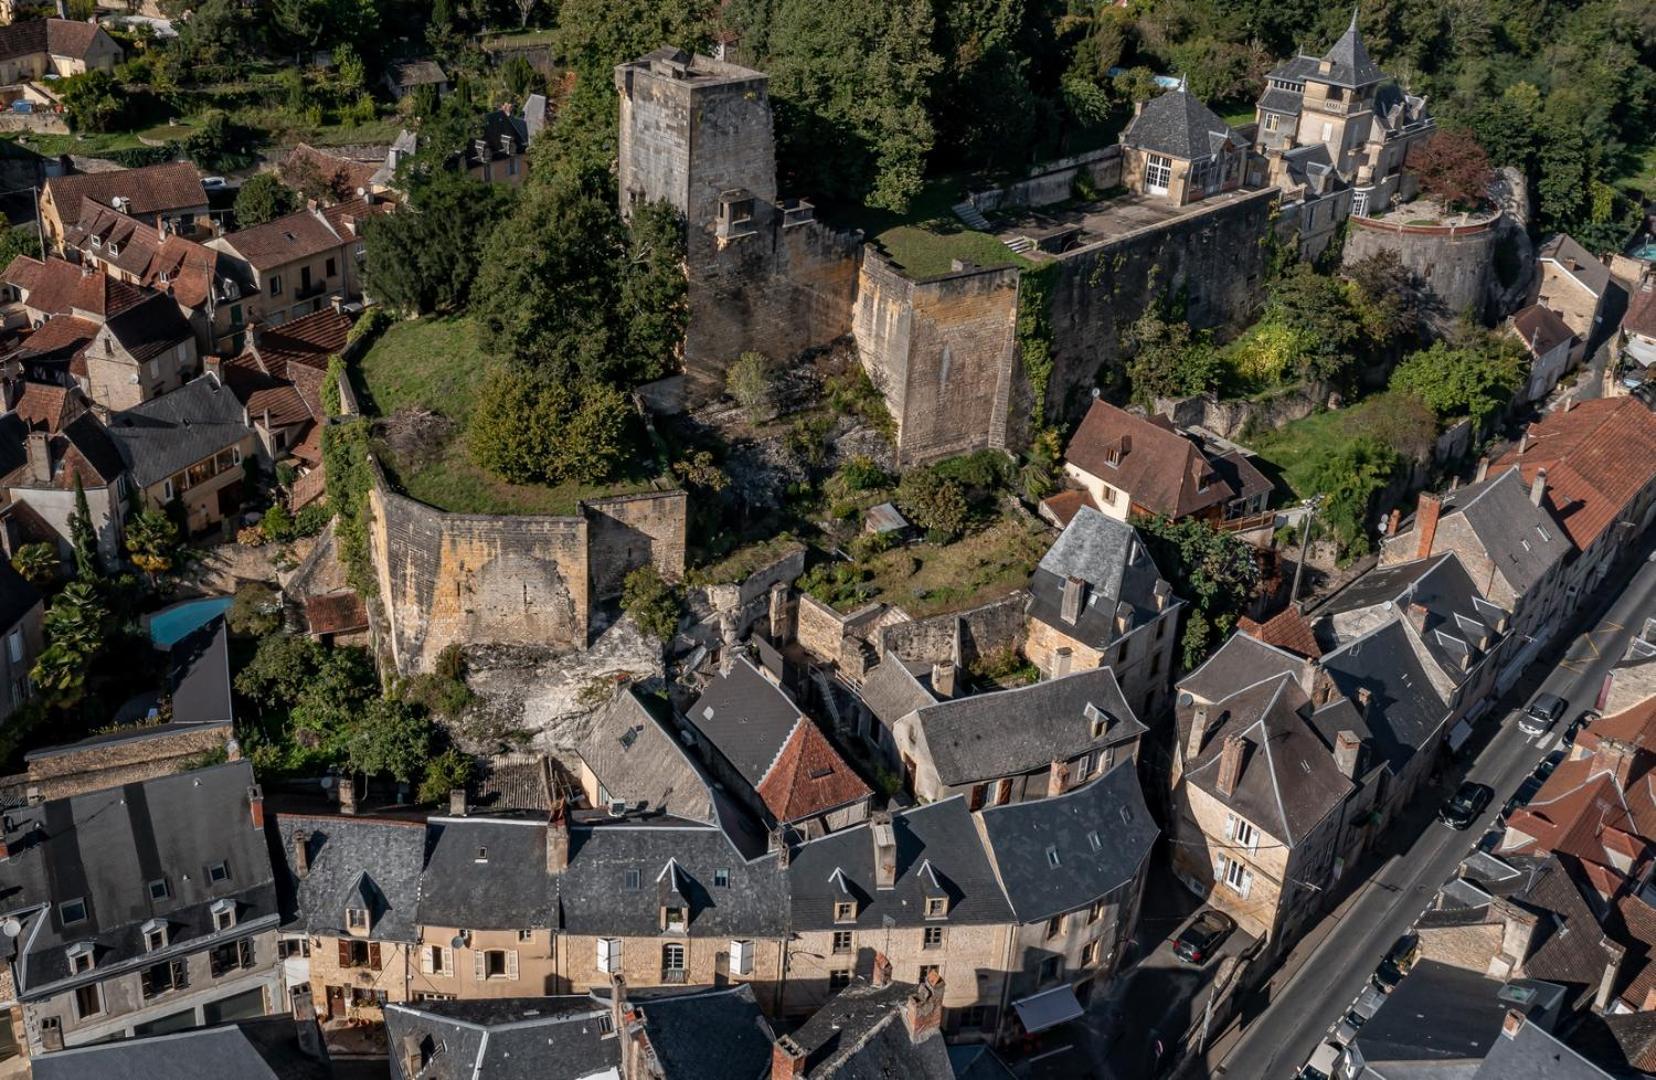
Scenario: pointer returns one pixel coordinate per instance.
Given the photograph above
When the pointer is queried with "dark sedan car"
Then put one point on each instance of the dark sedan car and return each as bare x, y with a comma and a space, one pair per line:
1199, 940
1465, 806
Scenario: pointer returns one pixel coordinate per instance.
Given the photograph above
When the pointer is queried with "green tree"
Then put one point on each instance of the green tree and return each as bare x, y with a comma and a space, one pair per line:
152, 541
1387, 298
19, 240
59, 674
934, 503
446, 772
1217, 573
751, 383
595, 35
83, 536
389, 739
1168, 360
255, 611
77, 619
653, 603
1318, 309
1476, 377
263, 197
529, 427
91, 100
39, 563
653, 302
1348, 478
280, 670
425, 257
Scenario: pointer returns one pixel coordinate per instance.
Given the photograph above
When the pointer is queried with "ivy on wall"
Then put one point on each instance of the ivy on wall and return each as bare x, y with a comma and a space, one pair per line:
1035, 336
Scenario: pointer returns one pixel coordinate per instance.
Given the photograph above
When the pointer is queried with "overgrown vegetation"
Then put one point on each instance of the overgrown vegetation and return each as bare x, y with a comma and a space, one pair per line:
1216, 573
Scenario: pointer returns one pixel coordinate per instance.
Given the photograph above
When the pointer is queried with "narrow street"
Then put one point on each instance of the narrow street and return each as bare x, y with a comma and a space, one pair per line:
1281, 1030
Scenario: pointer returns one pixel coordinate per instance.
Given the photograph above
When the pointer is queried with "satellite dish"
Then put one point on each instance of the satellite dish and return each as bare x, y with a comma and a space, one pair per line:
11, 927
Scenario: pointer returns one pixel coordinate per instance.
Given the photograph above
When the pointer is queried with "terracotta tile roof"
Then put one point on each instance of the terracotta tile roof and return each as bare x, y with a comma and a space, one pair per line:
1541, 329
268, 399
336, 613
309, 450
1287, 629
1641, 312
59, 287
57, 339
284, 369
1597, 456
346, 218
307, 341
153, 189
808, 777
277, 243
1063, 506
309, 487
55, 37
43, 407
169, 263
1163, 471
344, 176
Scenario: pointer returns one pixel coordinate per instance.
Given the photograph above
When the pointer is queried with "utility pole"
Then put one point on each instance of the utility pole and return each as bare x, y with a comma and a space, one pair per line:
1305, 545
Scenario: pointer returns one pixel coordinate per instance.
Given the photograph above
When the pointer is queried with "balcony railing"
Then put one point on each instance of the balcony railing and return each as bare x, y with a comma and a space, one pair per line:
672, 976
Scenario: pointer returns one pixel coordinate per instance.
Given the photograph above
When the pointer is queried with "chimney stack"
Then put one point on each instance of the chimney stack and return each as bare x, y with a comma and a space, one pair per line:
1426, 522
40, 457
1124, 618
943, 679
1394, 522
557, 839
1058, 778
885, 851
787, 1059
618, 1004
457, 802
1417, 616
923, 1009
1512, 1023
1163, 592
1348, 751
1365, 697
255, 805
1322, 686
1230, 763
347, 794
882, 970
1538, 487
1483, 469
301, 853
1198, 730
1523, 442
1075, 595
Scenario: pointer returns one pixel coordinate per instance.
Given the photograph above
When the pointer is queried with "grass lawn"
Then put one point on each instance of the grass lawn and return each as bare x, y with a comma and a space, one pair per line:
519, 39
927, 239
1289, 454
1644, 178
926, 579
1238, 115
439, 365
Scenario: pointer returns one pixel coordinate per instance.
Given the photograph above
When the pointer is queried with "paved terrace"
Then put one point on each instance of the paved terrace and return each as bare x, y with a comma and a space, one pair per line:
1058, 229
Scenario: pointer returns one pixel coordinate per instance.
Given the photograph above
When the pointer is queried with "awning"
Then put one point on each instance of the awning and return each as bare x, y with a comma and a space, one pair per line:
1048, 1009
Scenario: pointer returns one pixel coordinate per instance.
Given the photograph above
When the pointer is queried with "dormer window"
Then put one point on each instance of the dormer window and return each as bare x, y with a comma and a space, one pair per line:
356, 920
1097, 720
506, 145
845, 911
224, 915
937, 907
80, 957
71, 912
155, 935
673, 919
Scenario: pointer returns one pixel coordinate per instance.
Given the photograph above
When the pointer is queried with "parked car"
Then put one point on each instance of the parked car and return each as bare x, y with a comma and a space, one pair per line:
1362, 1010
1489, 841
1465, 805
1325, 1060
1526, 791
1198, 942
1542, 714
214, 183
1548, 764
1396, 963
1587, 717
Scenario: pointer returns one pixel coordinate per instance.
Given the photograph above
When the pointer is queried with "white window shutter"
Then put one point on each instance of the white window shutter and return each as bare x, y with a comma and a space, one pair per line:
741, 957
511, 964
1230, 826
609, 955
425, 958
1218, 868
448, 960
1247, 882
480, 965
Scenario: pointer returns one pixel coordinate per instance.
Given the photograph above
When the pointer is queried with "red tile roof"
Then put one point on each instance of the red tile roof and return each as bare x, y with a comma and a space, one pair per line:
1287, 630
343, 176
153, 189
1066, 504
1541, 329
62, 288
48, 408
808, 777
1641, 312
336, 613
1163, 471
277, 243
1597, 456
170, 263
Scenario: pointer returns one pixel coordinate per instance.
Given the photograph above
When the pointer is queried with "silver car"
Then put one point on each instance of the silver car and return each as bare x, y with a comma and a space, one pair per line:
1367, 1004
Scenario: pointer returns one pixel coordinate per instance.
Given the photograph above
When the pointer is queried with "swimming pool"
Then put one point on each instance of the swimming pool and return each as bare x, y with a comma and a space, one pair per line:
1646, 252
172, 625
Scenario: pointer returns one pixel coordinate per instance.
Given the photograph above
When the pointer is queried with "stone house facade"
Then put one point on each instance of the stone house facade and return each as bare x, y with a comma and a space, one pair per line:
1573, 284
1176, 149
189, 445
35, 48
22, 629
295, 265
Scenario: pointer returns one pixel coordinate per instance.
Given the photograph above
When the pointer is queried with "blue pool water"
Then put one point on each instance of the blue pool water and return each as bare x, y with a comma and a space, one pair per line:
168, 627
1647, 252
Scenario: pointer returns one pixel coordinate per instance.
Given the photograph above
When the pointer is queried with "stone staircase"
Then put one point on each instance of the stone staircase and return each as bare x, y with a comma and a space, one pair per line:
974, 219
1020, 244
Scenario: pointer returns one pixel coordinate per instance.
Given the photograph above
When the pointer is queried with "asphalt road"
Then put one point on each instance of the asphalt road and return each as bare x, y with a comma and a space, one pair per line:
1280, 1039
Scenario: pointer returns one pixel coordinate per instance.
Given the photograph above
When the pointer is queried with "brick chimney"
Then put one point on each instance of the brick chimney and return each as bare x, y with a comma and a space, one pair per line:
40, 457
1348, 751
882, 970
1512, 1023
1417, 616
1538, 487
943, 679
255, 806
923, 1009
1426, 521
1322, 686
457, 802
787, 1059
1075, 595
1231, 759
1483, 469
301, 853
1058, 778
557, 839
1394, 522
885, 851
618, 1004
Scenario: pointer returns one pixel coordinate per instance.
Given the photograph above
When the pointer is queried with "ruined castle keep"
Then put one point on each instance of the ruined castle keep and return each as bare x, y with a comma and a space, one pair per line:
944, 350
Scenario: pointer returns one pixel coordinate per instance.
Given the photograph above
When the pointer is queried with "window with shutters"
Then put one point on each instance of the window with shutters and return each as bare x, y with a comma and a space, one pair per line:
231, 956
359, 954
672, 963
741, 957
158, 979
496, 964
1234, 874
609, 955
1090, 954
1242, 832
356, 920
437, 960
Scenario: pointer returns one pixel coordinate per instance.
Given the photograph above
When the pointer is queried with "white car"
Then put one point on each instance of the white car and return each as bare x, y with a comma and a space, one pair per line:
214, 183
1324, 1063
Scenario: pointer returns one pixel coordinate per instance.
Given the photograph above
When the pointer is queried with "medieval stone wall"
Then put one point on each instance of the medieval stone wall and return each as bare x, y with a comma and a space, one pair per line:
1214, 259
627, 532
1456, 264
943, 353
960, 636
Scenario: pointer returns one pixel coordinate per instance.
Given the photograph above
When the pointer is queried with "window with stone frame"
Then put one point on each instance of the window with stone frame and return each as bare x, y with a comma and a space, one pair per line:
1158, 172
842, 941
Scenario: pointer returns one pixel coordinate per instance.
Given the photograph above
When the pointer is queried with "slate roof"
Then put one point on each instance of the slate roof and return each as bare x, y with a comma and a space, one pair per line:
638, 761
1111, 558
1570, 947
1100, 834
934, 842
746, 717
892, 691
1279, 100
1240, 662
1541, 329
1352, 66
264, 1049
596, 894
976, 1061
1520, 538
1532, 1053
198, 676
105, 847
153, 189
1311, 165
556, 1038
1620, 1041
1439, 1014
352, 859
1597, 456
416, 73
1178, 125
1577, 262
168, 434
860, 1034
486, 874
706, 1034
300, 235
1406, 710
1289, 782
151, 327
1161, 470
1007, 732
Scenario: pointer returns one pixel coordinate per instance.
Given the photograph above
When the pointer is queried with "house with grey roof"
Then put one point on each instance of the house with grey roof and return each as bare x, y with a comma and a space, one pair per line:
1573, 283
268, 1048
188, 445
141, 906
1097, 599
872, 1027
1176, 148
632, 762
1029, 742
1073, 868
350, 890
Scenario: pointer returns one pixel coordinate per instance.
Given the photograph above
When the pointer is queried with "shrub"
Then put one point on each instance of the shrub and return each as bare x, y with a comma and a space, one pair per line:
652, 602
529, 428
277, 523
751, 383
373, 322
255, 611
444, 773
934, 503
863, 473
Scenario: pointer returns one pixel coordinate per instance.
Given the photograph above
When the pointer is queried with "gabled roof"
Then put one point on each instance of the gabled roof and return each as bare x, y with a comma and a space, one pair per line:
416, 73
746, 717
1641, 312
1406, 709
185, 270
1541, 329
149, 328
550, 1038
268, 1048
641, 763
274, 244
58, 287
1178, 125
168, 434
1597, 456
891, 690
1008, 732
1438, 1015
352, 857
1533, 1053
1289, 782
153, 189
1111, 558
55, 37
1064, 853
860, 1034
809, 777
1576, 261
1242, 661
1287, 630
344, 176
48, 408
1520, 538
486, 874
1161, 470
105, 847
